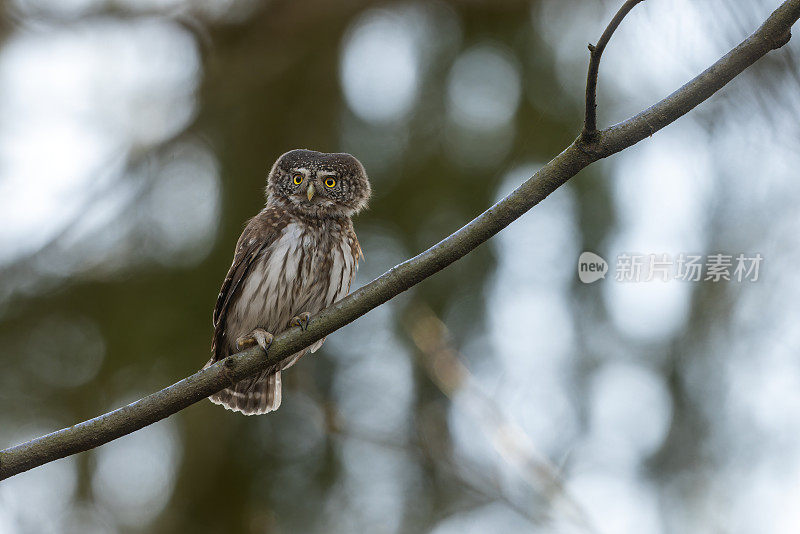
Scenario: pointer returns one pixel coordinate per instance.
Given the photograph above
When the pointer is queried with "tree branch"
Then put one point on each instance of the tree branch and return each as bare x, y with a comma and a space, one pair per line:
774, 33
595, 52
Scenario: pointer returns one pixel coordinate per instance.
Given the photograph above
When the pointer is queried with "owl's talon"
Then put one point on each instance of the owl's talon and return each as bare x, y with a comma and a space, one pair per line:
301, 320
259, 337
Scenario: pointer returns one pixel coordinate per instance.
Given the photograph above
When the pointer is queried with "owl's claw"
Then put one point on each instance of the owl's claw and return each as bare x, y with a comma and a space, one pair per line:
259, 337
301, 320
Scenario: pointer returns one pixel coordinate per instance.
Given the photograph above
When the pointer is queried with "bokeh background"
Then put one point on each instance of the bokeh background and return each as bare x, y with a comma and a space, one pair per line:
502, 395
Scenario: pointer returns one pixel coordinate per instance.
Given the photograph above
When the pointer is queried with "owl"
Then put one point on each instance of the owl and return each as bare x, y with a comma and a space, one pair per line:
296, 257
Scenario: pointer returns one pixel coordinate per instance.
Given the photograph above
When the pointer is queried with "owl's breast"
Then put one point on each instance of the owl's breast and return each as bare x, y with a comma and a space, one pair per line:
304, 270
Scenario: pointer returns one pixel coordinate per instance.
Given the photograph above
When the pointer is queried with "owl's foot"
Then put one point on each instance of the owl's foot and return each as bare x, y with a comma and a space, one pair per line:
259, 337
301, 320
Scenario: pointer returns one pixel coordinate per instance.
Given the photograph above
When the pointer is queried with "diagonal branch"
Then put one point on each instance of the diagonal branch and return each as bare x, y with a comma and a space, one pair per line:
595, 52
444, 367
774, 33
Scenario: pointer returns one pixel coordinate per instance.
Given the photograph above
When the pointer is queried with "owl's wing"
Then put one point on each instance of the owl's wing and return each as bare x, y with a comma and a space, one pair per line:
355, 249
260, 233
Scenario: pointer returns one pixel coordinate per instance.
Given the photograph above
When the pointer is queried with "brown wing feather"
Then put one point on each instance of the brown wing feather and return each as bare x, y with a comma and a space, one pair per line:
355, 248
259, 233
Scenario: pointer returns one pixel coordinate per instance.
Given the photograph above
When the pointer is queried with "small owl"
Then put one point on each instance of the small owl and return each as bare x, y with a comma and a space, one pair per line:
295, 258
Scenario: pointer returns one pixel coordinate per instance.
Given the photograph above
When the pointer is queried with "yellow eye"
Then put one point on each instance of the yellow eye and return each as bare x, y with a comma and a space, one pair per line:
330, 182
298, 178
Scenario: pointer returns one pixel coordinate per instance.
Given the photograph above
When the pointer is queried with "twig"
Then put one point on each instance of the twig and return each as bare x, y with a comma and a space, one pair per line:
458, 471
595, 52
444, 366
84, 436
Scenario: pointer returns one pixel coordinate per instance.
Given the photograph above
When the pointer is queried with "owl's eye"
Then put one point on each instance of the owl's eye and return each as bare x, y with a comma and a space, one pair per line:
330, 182
297, 178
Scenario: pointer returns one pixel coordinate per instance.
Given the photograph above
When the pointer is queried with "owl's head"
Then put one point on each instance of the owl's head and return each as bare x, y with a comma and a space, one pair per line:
318, 184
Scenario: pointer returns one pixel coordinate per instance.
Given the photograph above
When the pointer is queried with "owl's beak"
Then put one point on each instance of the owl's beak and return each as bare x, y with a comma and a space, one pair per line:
310, 192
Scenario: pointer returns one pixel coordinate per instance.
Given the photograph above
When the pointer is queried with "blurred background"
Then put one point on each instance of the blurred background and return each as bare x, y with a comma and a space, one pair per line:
501, 395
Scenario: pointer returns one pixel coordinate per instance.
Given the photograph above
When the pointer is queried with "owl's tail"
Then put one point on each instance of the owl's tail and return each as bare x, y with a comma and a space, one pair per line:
252, 396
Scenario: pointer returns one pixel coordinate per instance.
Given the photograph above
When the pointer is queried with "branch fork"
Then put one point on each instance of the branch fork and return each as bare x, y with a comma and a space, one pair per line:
589, 133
